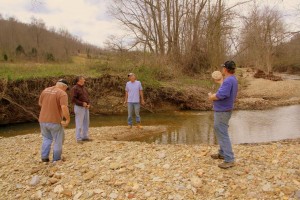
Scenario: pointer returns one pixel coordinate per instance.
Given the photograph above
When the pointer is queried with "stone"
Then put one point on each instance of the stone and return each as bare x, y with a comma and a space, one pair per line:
38, 194
297, 194
267, 187
147, 194
161, 155
166, 166
77, 196
35, 180
135, 186
113, 195
140, 166
88, 175
196, 182
67, 192
114, 166
58, 189
200, 172
53, 180
98, 191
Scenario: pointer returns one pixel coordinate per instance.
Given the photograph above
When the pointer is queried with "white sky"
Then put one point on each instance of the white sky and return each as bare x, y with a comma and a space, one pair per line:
90, 20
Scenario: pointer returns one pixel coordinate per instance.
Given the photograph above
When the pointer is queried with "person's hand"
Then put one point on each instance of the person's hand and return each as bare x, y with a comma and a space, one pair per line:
65, 123
84, 104
88, 106
143, 102
125, 103
209, 96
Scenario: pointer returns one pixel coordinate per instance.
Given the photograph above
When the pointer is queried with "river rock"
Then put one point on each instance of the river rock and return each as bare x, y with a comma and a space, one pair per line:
58, 189
35, 180
166, 166
77, 196
38, 194
113, 195
114, 166
67, 192
88, 175
53, 180
196, 182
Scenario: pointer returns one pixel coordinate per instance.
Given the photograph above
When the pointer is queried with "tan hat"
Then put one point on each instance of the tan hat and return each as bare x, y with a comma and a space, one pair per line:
217, 75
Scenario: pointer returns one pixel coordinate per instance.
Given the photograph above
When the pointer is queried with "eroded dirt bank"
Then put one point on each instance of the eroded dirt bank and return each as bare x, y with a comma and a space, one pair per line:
104, 169
18, 99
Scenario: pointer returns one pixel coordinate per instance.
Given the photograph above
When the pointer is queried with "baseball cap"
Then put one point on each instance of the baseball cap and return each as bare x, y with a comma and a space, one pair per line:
64, 81
229, 65
130, 74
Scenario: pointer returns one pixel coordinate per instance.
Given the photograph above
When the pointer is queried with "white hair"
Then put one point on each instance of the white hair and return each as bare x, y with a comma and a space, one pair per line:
61, 84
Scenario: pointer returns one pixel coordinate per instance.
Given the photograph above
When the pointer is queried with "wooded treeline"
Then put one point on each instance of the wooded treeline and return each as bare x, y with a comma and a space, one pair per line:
35, 42
201, 34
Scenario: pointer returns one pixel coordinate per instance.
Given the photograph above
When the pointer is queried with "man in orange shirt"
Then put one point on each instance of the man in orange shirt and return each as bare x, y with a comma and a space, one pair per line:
53, 117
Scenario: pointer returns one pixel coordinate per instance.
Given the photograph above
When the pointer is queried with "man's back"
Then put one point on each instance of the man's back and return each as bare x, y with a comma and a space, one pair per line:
51, 100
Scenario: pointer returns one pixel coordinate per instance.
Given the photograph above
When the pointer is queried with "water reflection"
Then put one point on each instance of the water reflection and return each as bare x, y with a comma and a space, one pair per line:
197, 127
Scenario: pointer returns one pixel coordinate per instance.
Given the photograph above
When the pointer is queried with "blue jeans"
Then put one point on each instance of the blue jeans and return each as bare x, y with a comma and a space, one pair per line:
82, 122
221, 130
136, 108
50, 132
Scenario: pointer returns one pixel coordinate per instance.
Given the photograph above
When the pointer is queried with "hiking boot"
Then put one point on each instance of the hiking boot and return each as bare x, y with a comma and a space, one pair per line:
217, 156
226, 165
129, 126
45, 160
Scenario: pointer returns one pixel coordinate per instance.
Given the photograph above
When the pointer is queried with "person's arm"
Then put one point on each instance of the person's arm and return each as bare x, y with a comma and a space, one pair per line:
126, 97
66, 115
40, 100
212, 97
142, 97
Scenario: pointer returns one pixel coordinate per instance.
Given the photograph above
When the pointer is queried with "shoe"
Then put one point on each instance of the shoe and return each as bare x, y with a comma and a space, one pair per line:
226, 165
217, 156
45, 160
129, 126
87, 140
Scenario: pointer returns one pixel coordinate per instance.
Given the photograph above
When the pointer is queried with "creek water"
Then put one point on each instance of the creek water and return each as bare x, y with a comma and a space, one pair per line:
190, 127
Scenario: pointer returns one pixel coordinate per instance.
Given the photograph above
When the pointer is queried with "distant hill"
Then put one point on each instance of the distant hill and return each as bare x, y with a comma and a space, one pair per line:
34, 41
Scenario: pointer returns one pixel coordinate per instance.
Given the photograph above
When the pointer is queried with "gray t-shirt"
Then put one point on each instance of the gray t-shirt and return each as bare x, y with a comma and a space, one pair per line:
133, 89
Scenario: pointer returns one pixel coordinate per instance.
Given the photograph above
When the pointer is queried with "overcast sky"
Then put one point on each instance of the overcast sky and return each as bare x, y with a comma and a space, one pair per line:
90, 20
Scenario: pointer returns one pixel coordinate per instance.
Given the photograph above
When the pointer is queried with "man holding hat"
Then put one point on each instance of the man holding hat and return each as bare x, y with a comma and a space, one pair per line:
133, 96
53, 117
223, 102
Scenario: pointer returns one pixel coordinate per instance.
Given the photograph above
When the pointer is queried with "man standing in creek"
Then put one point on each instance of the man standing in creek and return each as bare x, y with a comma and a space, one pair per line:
133, 96
223, 102
81, 101
53, 117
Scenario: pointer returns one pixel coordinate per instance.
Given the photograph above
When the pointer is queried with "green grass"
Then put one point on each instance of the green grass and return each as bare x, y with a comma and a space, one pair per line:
151, 73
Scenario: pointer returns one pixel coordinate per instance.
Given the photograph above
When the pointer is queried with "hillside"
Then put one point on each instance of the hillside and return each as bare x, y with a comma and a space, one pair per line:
36, 42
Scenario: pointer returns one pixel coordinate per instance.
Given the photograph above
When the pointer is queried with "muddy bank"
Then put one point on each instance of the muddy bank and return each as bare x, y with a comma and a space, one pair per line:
18, 99
132, 170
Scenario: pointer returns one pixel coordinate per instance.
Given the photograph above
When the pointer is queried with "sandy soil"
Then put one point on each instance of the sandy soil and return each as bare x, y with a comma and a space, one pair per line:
263, 94
104, 169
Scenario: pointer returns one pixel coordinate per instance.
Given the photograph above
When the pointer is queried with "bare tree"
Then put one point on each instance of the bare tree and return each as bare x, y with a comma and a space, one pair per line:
262, 33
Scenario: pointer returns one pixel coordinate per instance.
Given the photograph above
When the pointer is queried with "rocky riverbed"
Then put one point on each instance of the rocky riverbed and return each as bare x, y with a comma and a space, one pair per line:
107, 169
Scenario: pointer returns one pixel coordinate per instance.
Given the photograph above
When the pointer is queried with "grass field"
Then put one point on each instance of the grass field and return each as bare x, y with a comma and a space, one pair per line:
150, 73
